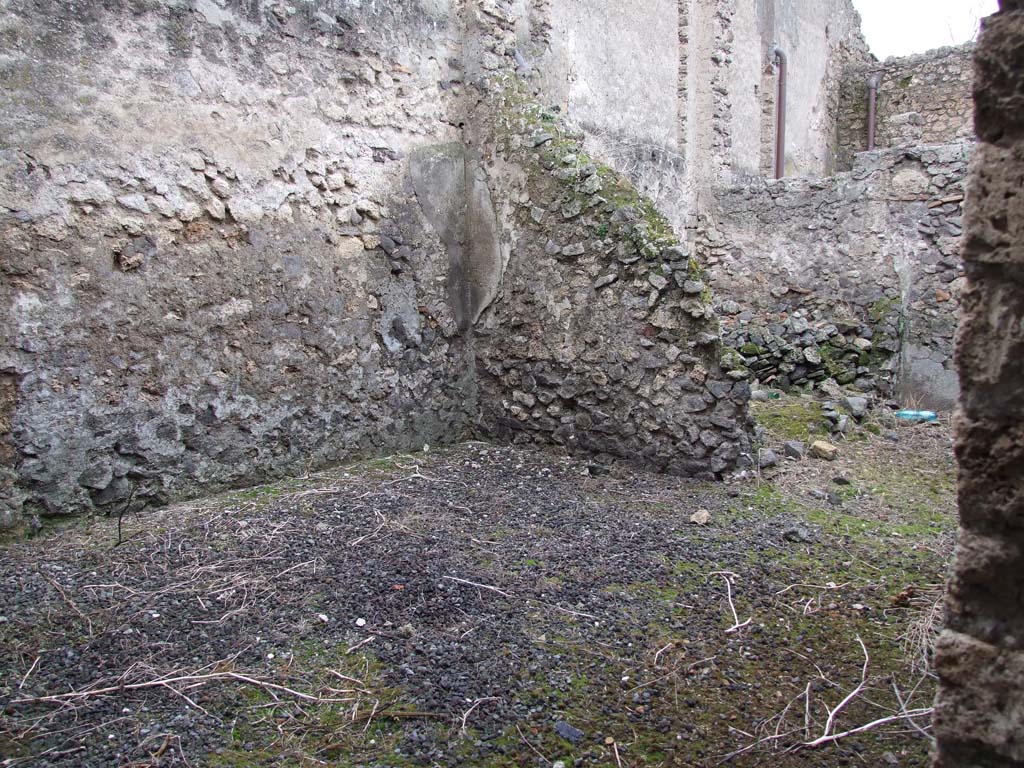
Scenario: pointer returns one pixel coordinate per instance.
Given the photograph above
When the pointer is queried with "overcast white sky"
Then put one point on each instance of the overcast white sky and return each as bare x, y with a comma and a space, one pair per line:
901, 27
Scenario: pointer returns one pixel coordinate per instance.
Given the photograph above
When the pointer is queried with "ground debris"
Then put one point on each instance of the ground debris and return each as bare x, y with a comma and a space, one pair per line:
455, 607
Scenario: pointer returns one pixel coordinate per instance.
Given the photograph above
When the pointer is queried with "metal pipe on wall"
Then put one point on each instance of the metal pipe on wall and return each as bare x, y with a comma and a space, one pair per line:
873, 84
780, 115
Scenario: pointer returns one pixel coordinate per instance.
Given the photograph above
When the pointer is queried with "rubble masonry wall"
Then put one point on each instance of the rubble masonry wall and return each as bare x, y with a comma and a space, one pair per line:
856, 277
922, 99
979, 714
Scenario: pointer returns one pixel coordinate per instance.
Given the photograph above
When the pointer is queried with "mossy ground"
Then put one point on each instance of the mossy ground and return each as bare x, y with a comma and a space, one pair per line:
791, 418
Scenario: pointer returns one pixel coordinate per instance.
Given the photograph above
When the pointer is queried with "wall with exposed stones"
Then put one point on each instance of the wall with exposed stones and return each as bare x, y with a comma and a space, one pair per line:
855, 277
979, 714
697, 109
241, 239
922, 99
214, 269
602, 337
821, 40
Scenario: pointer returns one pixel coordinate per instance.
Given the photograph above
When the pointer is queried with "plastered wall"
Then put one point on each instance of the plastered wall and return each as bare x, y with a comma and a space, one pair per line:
244, 239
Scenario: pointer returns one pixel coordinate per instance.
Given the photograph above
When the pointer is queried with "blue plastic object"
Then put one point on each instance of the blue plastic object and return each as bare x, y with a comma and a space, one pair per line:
917, 415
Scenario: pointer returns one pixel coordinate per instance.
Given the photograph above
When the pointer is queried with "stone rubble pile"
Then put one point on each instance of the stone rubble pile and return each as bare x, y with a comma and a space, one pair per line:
795, 353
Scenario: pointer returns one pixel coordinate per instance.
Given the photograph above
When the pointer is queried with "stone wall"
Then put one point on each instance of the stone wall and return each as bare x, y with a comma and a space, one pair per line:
214, 269
697, 110
601, 337
242, 239
856, 277
922, 99
979, 715
820, 40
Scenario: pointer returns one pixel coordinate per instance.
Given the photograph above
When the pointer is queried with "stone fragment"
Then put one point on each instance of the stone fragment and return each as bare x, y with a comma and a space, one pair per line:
98, 476
693, 287
831, 388
862, 344
678, 252
857, 406
700, 517
797, 534
576, 249
767, 458
658, 282
369, 209
568, 732
795, 449
215, 208
592, 185
134, 202
334, 181
812, 355
195, 161
220, 187
822, 450
572, 210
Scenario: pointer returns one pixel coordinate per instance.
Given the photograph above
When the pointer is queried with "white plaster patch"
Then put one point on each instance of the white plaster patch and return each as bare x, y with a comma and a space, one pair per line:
234, 308
218, 16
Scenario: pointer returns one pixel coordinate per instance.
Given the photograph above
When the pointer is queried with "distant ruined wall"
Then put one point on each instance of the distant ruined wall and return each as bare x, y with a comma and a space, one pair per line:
979, 713
213, 267
922, 99
680, 94
855, 277
821, 40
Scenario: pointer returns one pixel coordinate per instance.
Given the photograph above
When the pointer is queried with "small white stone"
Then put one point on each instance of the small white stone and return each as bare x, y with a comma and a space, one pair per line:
360, 622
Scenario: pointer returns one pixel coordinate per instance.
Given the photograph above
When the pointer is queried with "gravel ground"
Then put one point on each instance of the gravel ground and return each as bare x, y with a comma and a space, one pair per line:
490, 606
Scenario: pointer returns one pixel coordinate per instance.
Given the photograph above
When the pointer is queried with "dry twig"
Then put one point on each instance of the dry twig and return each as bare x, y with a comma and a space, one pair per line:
737, 625
468, 712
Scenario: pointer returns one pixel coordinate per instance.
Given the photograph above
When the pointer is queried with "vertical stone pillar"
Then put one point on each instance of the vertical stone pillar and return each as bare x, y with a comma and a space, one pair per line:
980, 659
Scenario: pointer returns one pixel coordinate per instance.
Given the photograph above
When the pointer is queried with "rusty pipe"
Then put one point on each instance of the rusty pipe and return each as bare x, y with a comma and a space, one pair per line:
873, 83
780, 115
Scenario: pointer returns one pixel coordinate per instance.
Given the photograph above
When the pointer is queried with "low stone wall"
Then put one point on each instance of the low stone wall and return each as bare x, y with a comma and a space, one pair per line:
979, 714
855, 277
922, 99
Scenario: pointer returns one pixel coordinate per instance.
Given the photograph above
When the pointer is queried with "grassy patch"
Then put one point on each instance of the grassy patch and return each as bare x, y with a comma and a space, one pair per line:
790, 418
359, 724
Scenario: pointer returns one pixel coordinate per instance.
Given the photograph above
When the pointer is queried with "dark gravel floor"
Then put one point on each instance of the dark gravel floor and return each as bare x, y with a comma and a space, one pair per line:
477, 606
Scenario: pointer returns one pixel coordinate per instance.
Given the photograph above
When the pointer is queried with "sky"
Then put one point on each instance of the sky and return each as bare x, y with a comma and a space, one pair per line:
902, 27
